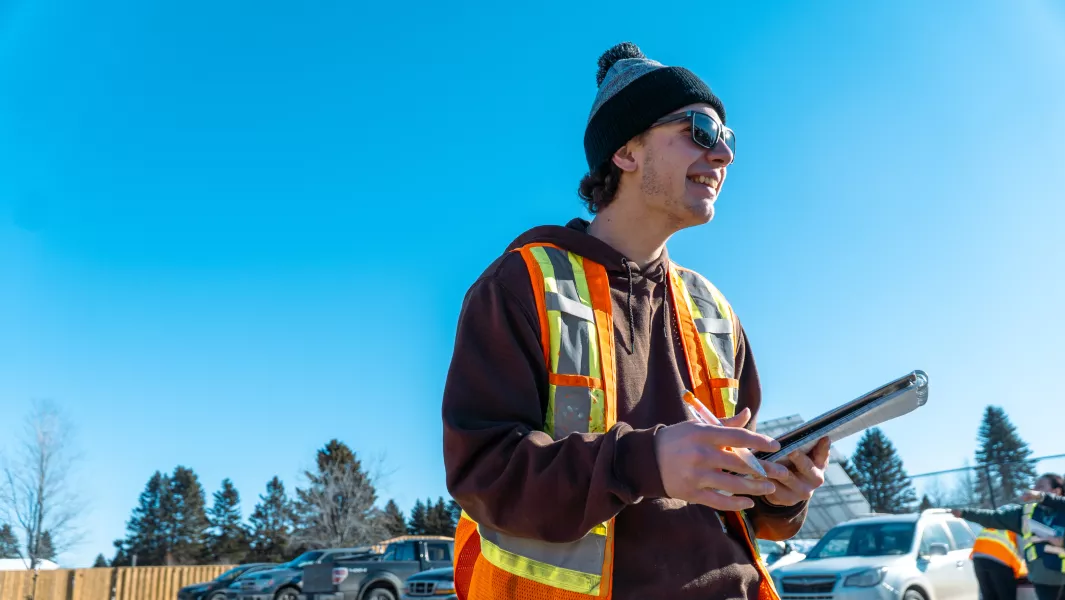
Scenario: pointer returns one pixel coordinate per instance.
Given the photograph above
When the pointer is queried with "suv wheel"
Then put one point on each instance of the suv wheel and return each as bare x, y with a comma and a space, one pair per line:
912, 594
380, 594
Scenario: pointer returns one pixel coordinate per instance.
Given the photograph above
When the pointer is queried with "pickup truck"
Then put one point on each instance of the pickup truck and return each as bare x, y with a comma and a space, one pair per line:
380, 578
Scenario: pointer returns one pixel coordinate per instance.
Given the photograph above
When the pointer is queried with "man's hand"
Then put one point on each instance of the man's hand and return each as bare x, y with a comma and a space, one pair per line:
956, 513
797, 482
1032, 496
693, 458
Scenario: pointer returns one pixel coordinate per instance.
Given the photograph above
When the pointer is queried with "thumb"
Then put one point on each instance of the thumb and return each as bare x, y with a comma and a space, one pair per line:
740, 419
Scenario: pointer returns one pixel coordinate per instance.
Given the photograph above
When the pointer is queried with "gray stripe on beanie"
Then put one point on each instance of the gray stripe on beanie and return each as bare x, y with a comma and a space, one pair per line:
621, 74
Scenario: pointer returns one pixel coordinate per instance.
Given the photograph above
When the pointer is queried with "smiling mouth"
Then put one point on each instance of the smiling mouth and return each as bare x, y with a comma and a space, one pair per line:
704, 180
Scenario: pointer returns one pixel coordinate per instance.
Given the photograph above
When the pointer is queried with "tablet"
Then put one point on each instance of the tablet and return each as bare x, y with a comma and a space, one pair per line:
889, 401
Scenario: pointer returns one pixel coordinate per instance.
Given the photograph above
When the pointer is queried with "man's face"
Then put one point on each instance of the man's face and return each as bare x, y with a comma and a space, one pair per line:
678, 177
1044, 485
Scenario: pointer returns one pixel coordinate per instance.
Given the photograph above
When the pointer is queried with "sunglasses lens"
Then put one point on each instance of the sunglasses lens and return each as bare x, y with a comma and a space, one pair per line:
729, 139
704, 130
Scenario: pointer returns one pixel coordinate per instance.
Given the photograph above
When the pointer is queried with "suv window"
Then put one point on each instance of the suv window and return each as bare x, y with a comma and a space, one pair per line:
934, 533
963, 536
438, 551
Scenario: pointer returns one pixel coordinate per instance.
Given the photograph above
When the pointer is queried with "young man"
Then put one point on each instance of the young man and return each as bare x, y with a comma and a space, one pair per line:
1044, 556
566, 437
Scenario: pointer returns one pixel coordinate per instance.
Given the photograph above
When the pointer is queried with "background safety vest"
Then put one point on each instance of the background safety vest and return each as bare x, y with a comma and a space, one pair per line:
1033, 550
1002, 546
576, 329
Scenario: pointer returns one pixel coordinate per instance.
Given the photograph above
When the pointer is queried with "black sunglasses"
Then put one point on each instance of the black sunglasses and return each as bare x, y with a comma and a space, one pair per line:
706, 132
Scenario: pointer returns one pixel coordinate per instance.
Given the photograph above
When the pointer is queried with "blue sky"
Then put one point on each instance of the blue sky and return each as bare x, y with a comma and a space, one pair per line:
231, 231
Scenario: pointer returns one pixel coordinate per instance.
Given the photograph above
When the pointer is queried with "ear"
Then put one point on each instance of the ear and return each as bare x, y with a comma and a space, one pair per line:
625, 159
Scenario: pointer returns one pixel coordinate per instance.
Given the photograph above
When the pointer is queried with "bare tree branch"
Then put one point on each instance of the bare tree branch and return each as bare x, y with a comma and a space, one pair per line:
35, 485
337, 509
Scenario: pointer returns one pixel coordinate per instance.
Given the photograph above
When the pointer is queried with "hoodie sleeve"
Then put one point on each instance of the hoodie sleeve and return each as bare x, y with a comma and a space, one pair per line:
500, 465
1010, 518
770, 522
1054, 502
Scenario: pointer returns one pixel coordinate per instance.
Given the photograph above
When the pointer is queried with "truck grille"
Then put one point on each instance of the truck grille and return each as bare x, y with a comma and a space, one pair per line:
823, 584
421, 588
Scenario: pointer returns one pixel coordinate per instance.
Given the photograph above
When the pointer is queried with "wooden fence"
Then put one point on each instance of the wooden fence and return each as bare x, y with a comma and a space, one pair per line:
124, 583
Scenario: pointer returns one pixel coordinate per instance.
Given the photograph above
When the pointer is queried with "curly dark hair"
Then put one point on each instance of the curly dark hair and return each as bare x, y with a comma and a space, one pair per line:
599, 187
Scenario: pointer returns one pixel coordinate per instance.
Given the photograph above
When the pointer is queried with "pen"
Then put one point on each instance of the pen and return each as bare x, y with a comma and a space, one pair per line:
701, 414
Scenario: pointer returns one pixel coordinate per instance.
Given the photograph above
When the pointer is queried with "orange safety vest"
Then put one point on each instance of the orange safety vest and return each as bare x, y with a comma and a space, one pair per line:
1002, 546
577, 335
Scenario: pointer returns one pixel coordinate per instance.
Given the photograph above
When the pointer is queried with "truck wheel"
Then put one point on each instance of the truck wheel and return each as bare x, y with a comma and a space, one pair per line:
218, 596
380, 594
287, 594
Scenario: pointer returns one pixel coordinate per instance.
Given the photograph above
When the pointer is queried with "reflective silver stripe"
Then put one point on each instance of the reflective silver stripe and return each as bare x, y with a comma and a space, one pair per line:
703, 298
585, 555
561, 303
564, 277
574, 345
572, 408
709, 325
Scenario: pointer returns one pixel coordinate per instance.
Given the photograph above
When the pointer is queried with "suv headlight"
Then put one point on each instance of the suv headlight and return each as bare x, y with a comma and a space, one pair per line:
866, 578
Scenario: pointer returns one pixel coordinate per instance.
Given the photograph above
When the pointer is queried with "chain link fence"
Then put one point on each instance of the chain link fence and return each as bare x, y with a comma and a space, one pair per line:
981, 486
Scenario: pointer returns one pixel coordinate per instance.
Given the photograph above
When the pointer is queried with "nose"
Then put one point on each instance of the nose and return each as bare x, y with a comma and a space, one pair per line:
720, 155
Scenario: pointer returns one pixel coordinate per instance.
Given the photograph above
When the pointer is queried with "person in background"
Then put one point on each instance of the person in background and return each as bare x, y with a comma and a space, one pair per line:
1043, 508
998, 564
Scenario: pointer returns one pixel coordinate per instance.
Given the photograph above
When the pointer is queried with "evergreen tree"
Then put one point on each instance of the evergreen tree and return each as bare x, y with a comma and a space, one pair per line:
880, 475
926, 503
147, 531
228, 538
419, 519
336, 509
188, 526
100, 562
455, 510
45, 548
271, 524
394, 522
9, 545
1004, 469
438, 519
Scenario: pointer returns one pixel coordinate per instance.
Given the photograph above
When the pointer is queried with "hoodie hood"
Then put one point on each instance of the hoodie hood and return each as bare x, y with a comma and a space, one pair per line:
574, 237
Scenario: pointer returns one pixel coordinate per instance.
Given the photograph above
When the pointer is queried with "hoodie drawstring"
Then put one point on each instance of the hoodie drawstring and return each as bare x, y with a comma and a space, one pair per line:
632, 317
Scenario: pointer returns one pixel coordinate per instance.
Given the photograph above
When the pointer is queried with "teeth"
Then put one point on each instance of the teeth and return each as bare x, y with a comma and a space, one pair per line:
703, 179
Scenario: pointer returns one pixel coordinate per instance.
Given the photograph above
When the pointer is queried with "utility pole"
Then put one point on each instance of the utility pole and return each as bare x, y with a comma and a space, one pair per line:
990, 487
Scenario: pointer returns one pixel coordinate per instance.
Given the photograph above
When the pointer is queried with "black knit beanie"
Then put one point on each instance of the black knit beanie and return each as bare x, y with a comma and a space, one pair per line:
634, 92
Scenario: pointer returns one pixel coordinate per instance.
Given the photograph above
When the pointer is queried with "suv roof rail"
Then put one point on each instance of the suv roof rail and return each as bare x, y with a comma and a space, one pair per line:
936, 511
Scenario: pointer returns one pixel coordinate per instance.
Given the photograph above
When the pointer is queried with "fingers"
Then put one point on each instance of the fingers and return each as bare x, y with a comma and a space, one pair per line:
819, 454
737, 438
803, 464
718, 458
740, 419
719, 501
735, 484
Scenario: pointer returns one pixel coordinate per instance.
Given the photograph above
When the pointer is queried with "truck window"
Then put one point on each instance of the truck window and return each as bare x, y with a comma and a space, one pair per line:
438, 551
400, 551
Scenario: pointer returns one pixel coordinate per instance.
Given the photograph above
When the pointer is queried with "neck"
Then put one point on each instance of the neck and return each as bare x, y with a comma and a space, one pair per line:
639, 236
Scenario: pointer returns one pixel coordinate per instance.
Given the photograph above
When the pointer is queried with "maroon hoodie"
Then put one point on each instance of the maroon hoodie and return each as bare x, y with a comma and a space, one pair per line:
509, 475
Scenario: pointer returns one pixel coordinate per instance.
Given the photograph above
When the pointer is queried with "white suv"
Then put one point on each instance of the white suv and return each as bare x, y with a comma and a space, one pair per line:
886, 557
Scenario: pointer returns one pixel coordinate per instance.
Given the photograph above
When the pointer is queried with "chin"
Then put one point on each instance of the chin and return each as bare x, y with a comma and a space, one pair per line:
701, 212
